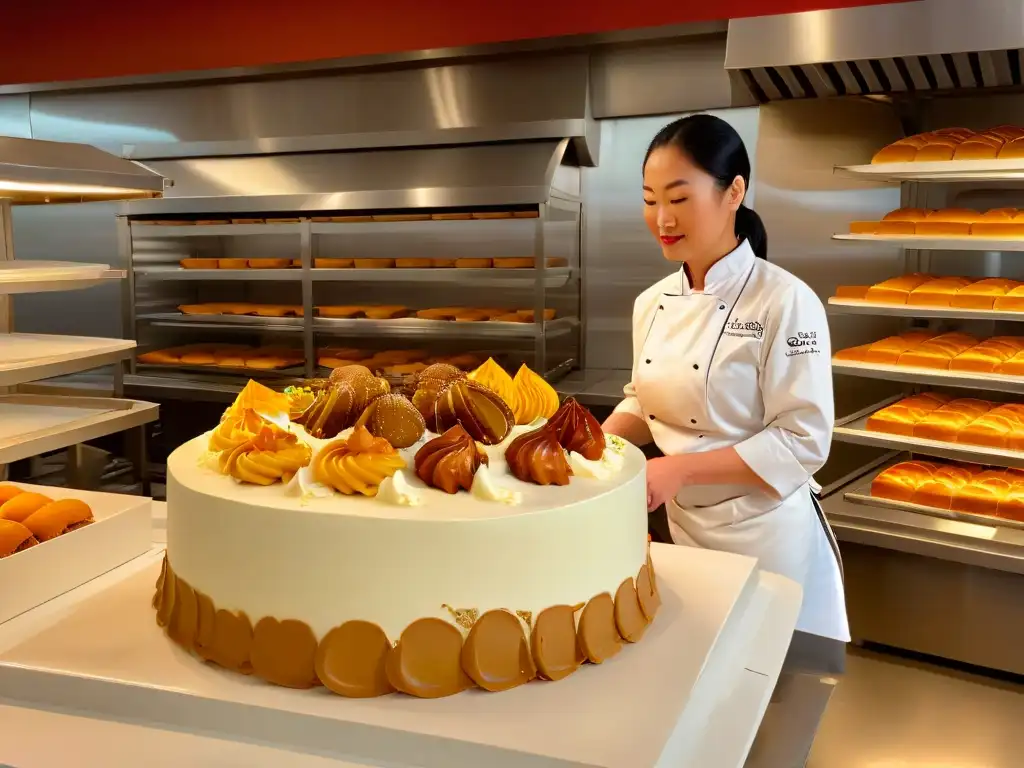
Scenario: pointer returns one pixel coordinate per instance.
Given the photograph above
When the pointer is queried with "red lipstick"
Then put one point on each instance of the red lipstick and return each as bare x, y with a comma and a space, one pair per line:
671, 239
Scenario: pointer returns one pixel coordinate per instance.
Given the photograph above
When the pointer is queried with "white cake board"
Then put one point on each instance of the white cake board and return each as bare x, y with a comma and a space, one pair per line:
650, 705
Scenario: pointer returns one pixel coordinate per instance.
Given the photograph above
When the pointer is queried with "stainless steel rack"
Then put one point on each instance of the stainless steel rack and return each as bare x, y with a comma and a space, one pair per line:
547, 232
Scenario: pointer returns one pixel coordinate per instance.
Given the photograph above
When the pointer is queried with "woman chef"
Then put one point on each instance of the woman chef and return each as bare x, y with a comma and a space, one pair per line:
732, 378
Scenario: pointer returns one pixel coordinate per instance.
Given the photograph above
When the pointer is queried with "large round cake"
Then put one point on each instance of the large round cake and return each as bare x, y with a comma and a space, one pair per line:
416, 584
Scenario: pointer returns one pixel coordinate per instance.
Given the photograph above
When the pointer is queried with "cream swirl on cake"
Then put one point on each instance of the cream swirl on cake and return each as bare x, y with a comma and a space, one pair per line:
358, 464
270, 456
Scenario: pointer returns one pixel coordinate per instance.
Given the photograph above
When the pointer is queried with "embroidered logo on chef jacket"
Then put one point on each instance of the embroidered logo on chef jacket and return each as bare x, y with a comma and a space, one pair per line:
748, 330
804, 343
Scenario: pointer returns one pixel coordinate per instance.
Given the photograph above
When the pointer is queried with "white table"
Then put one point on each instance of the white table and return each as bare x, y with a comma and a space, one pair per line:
99, 685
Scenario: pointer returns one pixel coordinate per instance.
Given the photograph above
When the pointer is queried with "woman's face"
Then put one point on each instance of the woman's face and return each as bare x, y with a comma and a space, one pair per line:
684, 208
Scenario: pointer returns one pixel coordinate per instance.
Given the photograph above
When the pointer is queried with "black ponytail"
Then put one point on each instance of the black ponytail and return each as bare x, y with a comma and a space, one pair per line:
715, 147
749, 227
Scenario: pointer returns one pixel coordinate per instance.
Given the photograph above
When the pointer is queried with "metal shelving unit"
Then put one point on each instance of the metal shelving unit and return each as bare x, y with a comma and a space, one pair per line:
931, 377
856, 431
922, 242
947, 170
35, 424
158, 284
860, 307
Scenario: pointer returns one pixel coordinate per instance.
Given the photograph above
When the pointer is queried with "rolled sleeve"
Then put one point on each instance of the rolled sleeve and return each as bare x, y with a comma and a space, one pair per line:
630, 403
796, 388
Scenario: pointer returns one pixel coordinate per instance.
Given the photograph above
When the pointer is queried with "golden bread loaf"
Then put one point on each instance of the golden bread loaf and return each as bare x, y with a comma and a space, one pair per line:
958, 144
971, 489
948, 222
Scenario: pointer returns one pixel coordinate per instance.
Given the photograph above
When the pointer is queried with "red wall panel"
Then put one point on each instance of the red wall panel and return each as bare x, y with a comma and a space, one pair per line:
56, 40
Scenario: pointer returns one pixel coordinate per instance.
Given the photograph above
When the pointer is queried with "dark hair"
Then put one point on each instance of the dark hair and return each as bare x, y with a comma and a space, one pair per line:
715, 147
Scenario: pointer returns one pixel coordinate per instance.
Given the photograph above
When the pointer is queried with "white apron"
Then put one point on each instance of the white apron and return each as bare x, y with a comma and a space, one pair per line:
746, 363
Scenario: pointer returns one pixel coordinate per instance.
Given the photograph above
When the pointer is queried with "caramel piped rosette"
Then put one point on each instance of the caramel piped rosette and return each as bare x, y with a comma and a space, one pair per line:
450, 462
358, 464
395, 419
481, 412
537, 457
578, 431
535, 398
235, 430
270, 456
496, 379
429, 384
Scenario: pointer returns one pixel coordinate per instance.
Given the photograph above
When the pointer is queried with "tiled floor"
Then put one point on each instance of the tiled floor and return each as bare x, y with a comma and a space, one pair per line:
891, 712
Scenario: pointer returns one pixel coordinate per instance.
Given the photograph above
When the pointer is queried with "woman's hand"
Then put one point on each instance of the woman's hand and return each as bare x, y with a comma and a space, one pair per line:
664, 479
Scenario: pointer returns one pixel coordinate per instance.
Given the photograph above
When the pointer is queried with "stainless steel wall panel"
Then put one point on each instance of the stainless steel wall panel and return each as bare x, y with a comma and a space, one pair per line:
14, 116
620, 256
662, 78
478, 101
803, 203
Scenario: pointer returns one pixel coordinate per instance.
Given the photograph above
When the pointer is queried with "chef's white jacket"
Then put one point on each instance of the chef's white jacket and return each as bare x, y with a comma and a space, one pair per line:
745, 363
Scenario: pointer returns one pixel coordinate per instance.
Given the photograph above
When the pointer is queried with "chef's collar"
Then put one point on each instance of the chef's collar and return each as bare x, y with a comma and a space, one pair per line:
736, 262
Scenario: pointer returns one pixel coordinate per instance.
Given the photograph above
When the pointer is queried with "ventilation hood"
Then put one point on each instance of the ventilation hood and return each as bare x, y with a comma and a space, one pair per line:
34, 171
928, 45
506, 173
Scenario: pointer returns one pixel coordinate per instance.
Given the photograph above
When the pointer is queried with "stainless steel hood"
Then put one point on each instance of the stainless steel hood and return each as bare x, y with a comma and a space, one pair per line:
506, 173
928, 45
34, 171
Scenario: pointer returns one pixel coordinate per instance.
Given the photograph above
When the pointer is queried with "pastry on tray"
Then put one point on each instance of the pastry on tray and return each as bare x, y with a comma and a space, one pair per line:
374, 263
332, 263
23, 505
413, 263
247, 221
386, 312
443, 263
199, 263
57, 518
402, 217
279, 310
14, 538
233, 263
473, 263
437, 313
201, 309
160, 357
493, 215
343, 312
451, 216
269, 263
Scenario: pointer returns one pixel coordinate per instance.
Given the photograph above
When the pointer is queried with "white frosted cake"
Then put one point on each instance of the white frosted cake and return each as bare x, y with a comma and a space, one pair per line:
371, 569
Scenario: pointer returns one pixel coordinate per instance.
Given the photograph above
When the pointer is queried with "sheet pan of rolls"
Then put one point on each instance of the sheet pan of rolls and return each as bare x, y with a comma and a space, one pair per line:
956, 292
972, 492
1004, 223
954, 351
511, 262
370, 312
343, 219
1004, 142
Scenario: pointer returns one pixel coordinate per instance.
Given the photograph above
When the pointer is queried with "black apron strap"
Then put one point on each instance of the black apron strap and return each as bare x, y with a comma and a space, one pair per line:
828, 534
